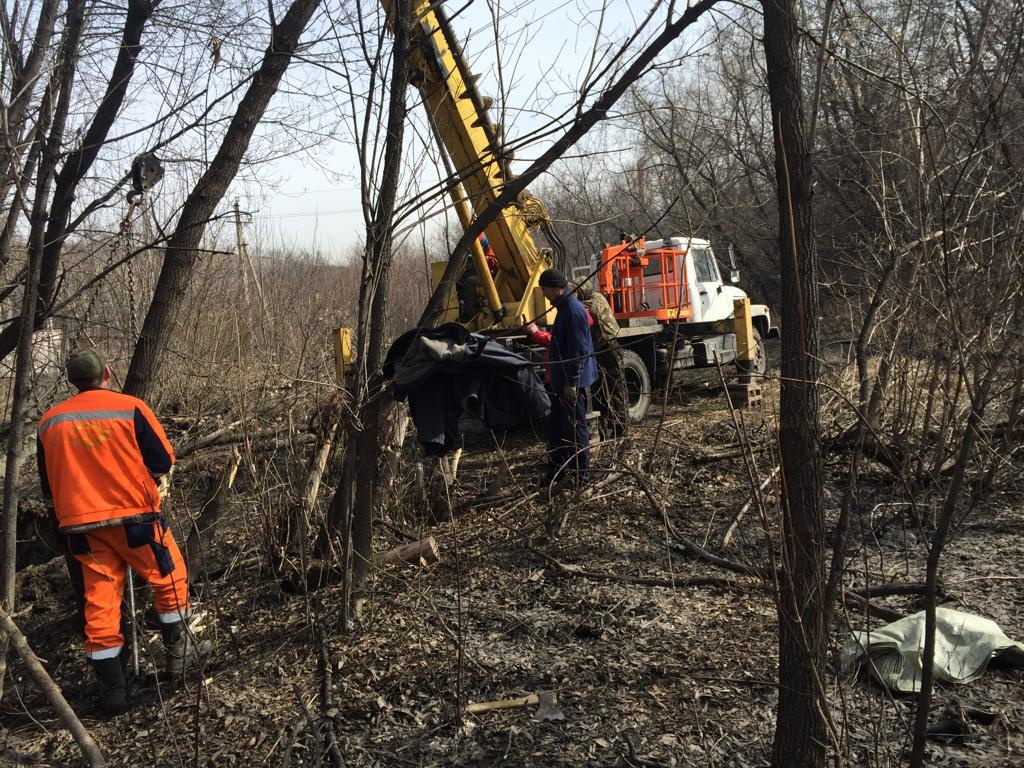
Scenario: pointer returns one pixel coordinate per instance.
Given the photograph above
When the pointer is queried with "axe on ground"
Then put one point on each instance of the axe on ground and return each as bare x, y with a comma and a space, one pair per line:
545, 701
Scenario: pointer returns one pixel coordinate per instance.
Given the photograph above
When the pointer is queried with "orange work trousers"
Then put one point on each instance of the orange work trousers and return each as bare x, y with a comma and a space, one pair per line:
103, 555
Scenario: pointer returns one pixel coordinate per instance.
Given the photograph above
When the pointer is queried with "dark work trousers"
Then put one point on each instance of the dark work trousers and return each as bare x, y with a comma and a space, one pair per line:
610, 397
568, 438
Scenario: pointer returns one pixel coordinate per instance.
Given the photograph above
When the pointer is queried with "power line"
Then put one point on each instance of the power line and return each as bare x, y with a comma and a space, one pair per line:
316, 191
300, 214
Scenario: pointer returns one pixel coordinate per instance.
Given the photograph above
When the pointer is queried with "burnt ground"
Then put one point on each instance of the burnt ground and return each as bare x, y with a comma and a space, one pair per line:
646, 675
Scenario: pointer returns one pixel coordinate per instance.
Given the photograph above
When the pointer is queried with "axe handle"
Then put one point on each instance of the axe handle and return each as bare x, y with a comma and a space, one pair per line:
489, 706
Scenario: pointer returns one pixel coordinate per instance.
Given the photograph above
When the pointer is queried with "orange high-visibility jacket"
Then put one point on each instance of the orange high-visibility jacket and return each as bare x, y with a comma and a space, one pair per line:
98, 454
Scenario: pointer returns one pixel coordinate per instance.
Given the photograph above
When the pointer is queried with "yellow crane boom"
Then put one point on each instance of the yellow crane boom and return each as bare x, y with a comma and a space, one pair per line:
479, 163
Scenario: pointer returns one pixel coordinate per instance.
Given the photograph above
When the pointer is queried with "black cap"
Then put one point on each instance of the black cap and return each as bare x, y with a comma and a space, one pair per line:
552, 278
86, 365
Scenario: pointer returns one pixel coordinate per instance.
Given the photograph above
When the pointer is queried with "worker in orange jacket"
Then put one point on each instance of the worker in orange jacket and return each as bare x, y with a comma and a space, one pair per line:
104, 462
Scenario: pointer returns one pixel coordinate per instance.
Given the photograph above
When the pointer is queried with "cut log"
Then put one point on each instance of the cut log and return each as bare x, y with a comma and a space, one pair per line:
423, 552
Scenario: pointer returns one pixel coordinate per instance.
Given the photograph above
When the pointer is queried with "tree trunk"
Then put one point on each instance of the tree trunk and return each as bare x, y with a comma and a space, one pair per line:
183, 251
799, 728
355, 498
204, 527
23, 370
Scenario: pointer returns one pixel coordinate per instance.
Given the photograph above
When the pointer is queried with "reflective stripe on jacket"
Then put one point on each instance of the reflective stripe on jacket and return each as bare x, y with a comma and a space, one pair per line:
98, 454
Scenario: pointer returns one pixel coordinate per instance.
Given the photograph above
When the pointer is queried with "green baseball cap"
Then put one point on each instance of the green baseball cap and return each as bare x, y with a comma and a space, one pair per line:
86, 365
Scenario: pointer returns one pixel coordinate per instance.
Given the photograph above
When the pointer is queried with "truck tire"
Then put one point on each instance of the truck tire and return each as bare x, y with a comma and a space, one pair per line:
759, 365
638, 385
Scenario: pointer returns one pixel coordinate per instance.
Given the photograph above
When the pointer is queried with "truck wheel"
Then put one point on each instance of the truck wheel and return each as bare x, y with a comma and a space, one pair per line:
759, 365
638, 385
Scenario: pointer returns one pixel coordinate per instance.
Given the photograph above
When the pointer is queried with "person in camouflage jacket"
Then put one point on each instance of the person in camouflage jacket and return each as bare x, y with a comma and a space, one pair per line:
610, 394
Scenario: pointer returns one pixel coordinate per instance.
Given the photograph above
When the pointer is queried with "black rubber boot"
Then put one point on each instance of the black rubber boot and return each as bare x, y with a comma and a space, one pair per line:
110, 676
183, 648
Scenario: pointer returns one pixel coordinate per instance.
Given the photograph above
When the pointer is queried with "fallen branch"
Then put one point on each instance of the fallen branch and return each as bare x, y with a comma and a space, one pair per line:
320, 573
732, 452
326, 695
314, 731
207, 440
293, 733
884, 590
398, 531
644, 581
863, 605
230, 435
683, 544
727, 539
52, 692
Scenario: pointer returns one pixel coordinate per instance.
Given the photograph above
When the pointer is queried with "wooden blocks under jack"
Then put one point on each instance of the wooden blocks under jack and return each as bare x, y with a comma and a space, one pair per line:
745, 394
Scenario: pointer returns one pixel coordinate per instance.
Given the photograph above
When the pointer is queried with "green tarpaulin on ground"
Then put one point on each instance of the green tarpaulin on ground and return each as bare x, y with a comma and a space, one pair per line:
964, 645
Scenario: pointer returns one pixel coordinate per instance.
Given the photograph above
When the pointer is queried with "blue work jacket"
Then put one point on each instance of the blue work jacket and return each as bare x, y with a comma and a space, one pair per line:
571, 355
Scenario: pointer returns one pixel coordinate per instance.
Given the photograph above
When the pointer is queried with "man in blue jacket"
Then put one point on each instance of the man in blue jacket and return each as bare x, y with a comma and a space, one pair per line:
572, 370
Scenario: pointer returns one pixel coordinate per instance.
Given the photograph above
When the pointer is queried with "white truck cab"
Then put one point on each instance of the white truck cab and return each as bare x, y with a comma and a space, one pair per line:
674, 311
709, 297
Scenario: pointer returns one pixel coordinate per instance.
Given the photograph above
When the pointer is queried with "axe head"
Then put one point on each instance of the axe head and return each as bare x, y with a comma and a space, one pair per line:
547, 707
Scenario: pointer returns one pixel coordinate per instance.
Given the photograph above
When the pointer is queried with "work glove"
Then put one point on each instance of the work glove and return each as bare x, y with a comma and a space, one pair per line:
441, 350
163, 482
569, 395
163, 485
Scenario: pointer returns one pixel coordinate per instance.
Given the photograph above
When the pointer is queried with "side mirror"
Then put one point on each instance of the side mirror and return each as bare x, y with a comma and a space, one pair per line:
734, 270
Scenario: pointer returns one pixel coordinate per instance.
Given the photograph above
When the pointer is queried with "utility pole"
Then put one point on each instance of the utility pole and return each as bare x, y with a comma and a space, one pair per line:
245, 264
243, 256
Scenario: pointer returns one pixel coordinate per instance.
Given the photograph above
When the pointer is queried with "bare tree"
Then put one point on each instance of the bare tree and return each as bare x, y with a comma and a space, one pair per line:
25, 69
803, 635
77, 165
352, 506
37, 243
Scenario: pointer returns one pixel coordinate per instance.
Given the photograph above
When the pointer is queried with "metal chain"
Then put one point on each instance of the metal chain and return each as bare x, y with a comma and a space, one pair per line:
117, 245
130, 265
